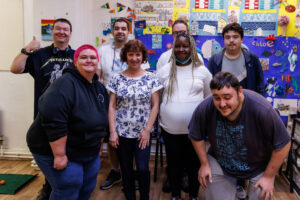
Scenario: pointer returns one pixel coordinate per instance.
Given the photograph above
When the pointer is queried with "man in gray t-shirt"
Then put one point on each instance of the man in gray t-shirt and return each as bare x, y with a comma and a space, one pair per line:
237, 60
247, 137
236, 66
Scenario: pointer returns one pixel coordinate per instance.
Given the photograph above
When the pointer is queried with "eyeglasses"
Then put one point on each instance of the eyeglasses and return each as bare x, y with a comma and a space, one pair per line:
58, 29
178, 32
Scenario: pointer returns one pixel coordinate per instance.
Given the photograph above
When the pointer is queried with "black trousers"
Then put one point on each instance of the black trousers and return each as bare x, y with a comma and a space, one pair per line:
128, 150
180, 155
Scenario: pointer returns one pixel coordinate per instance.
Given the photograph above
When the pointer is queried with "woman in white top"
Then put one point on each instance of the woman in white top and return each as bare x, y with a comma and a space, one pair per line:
186, 83
133, 107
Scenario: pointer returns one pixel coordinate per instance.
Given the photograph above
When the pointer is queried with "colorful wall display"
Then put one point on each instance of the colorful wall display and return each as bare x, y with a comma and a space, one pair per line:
279, 59
208, 17
157, 13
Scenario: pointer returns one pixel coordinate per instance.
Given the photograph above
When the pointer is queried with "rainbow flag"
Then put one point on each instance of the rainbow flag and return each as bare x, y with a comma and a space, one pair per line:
106, 6
120, 7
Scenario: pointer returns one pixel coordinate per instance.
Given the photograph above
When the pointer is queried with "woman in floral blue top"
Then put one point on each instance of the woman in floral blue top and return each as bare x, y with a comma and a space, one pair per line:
133, 107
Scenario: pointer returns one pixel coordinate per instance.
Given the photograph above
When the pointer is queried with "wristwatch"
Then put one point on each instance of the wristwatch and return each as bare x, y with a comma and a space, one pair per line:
23, 51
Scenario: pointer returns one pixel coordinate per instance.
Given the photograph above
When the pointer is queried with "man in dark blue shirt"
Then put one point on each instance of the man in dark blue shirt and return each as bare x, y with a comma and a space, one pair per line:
247, 137
45, 65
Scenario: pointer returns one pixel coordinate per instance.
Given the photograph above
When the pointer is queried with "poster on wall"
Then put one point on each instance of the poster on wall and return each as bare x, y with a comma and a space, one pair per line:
157, 13
285, 106
258, 18
46, 28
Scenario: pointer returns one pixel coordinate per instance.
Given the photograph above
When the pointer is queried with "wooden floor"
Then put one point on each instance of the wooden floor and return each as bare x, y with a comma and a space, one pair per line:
30, 191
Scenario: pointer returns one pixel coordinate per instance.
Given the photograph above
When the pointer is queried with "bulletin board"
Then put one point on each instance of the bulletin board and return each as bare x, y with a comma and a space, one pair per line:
208, 17
279, 59
153, 20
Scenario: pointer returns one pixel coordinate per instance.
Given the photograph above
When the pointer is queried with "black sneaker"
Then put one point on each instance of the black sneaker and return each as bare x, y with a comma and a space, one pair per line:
45, 192
166, 186
175, 198
185, 184
240, 192
136, 184
113, 178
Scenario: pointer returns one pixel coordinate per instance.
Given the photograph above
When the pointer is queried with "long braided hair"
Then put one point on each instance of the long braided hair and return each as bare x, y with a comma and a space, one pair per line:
173, 71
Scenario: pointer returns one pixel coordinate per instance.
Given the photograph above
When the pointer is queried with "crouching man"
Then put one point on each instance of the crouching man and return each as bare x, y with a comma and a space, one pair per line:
247, 140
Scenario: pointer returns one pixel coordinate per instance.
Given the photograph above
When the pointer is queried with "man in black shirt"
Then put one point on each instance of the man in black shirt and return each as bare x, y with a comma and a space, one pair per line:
45, 65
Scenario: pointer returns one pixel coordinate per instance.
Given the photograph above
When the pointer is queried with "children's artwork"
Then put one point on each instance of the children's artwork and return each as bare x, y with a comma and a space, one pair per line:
285, 106
106, 28
131, 15
157, 30
221, 25
156, 41
140, 24
297, 19
209, 29
264, 63
253, 15
275, 56
97, 41
155, 13
233, 15
236, 3
46, 28
209, 48
293, 58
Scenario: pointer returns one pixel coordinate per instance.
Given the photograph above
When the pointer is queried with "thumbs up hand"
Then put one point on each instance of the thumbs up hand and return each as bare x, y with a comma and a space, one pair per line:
33, 45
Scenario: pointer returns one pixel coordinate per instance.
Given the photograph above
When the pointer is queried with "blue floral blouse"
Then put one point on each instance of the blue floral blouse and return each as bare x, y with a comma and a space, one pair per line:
133, 102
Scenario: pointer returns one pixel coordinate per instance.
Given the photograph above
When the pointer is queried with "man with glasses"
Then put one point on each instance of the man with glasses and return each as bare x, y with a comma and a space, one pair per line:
109, 64
45, 65
179, 26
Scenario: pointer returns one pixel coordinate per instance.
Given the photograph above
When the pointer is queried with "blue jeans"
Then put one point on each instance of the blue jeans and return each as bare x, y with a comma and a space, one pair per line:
128, 149
76, 181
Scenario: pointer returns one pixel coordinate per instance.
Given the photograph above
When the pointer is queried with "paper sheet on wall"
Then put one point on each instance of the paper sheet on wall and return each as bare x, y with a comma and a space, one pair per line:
156, 41
285, 106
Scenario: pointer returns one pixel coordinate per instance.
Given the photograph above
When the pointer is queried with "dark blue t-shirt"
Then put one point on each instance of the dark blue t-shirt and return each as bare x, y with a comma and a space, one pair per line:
45, 66
242, 147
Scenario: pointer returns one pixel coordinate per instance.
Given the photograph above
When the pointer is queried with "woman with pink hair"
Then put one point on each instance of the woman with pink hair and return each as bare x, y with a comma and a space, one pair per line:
65, 136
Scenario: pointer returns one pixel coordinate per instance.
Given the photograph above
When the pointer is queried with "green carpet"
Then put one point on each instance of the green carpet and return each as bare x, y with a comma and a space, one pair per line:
13, 182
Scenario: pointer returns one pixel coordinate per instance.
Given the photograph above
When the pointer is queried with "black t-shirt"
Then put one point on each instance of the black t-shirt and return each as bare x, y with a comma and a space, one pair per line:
45, 66
242, 147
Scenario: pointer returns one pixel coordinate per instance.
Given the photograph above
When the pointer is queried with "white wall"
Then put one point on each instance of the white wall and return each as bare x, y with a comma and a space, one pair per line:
19, 21
16, 93
86, 17
11, 34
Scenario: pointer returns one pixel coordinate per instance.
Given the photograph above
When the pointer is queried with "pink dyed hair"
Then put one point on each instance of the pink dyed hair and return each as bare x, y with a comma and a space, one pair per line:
81, 48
